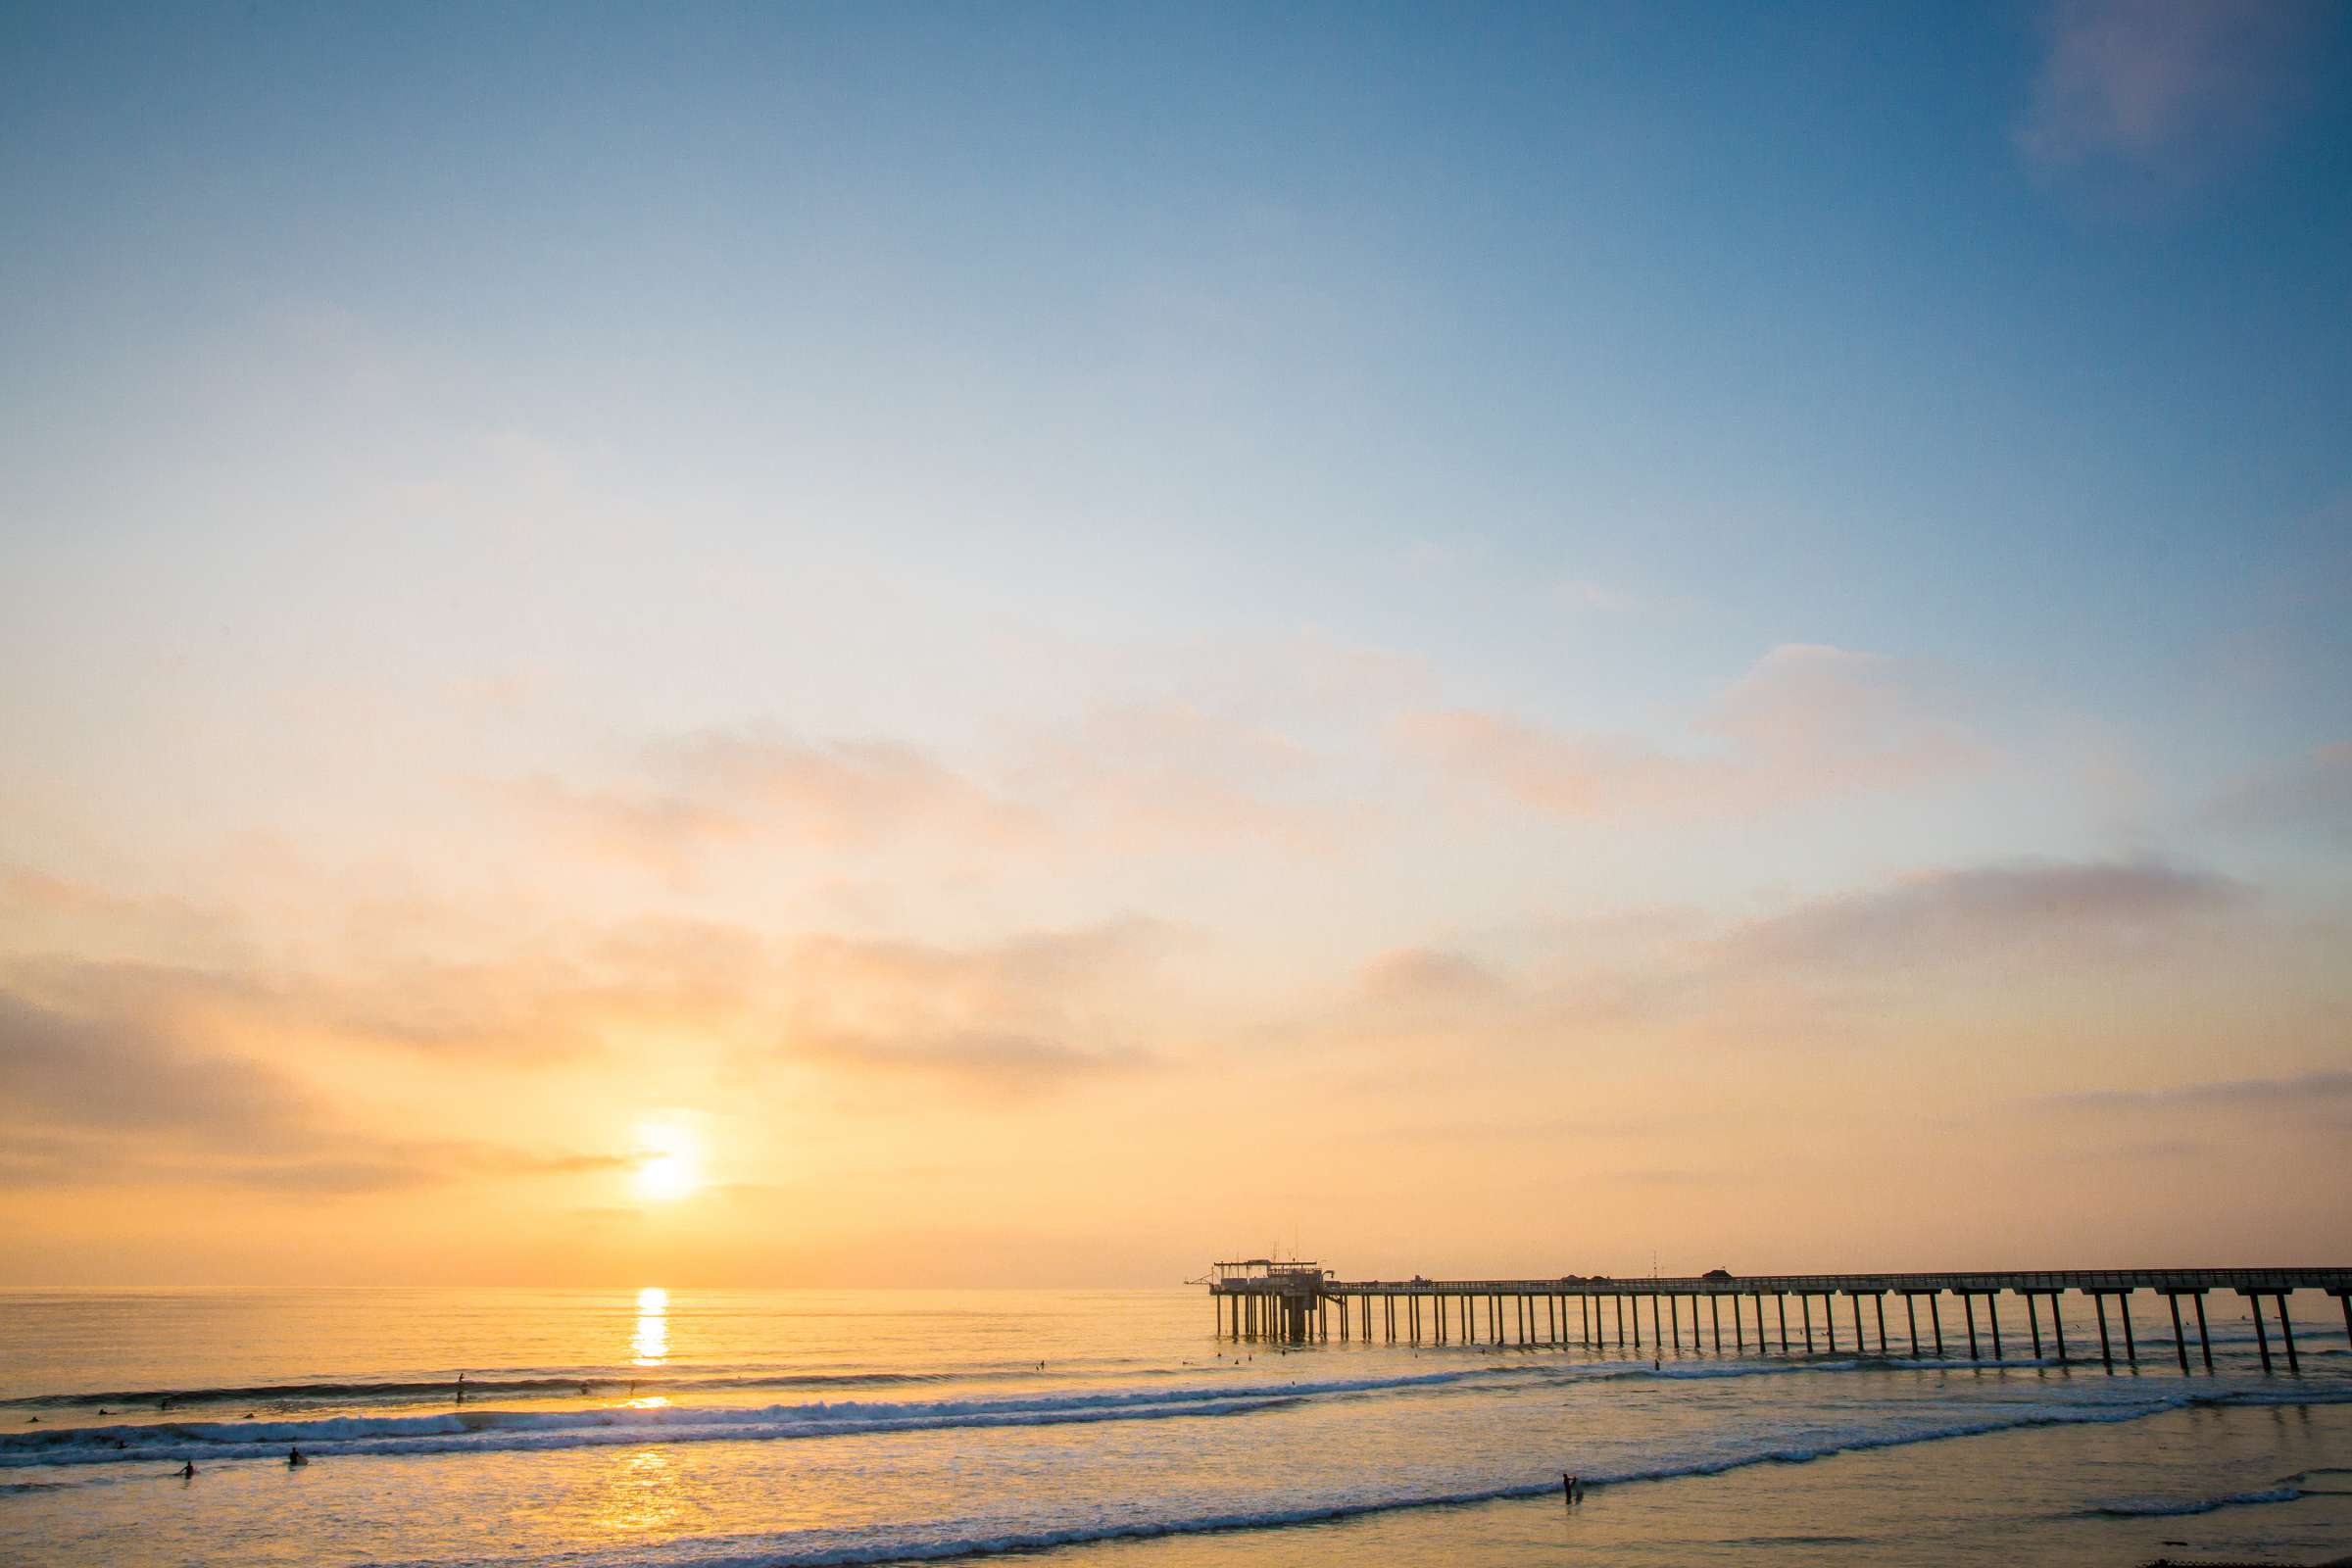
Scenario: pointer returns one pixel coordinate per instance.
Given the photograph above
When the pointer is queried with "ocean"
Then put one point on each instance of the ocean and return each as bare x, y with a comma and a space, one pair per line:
690, 1429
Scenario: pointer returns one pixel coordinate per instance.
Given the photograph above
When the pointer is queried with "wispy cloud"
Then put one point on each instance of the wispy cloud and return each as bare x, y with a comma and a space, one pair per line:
122, 1097
1585, 594
2054, 911
2311, 791
1144, 775
998, 1063
2170, 89
849, 793
1806, 723
1040, 1011
1170, 772
2310, 1090
122, 1073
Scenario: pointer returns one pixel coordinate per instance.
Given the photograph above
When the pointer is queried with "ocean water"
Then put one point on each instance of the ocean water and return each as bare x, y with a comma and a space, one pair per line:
742, 1428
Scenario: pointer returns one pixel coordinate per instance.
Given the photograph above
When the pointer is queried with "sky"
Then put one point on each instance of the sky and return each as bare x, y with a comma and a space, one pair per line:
1029, 644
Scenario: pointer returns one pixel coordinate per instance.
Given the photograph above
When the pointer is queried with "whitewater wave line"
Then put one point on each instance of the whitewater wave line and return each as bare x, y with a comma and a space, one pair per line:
484, 1430
555, 1382
559, 1381
609, 1379
603, 1377
2168, 1508
459, 1430
845, 1549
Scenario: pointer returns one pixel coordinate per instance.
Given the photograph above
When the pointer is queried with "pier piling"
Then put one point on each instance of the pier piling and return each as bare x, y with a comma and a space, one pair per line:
1293, 1304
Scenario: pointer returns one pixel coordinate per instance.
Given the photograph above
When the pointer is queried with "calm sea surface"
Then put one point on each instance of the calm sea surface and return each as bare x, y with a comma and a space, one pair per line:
748, 1428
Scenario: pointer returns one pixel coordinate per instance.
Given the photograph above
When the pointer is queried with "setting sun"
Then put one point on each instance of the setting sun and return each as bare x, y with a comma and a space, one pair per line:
668, 1166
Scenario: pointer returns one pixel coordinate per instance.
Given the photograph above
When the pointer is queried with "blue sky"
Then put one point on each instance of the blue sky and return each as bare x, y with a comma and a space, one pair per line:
1335, 482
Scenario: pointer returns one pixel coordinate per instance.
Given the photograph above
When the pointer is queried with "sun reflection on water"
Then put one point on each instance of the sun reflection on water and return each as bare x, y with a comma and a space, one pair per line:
640, 1495
651, 1346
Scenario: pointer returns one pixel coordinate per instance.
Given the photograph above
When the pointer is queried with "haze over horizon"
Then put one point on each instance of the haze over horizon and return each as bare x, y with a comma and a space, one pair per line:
862, 645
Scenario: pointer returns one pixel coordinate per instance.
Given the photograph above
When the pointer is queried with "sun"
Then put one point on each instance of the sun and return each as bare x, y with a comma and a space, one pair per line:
669, 1164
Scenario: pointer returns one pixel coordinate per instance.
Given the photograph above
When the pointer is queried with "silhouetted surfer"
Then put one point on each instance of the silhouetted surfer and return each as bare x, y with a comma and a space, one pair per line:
187, 1472
460, 1388
294, 1459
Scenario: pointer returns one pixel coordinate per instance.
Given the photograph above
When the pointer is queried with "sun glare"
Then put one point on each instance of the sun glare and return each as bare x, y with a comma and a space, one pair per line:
666, 1164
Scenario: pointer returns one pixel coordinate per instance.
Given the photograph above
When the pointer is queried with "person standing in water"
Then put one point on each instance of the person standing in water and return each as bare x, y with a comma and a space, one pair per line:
187, 1472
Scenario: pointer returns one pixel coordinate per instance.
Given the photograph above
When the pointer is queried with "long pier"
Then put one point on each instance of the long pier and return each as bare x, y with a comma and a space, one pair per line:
1264, 1299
